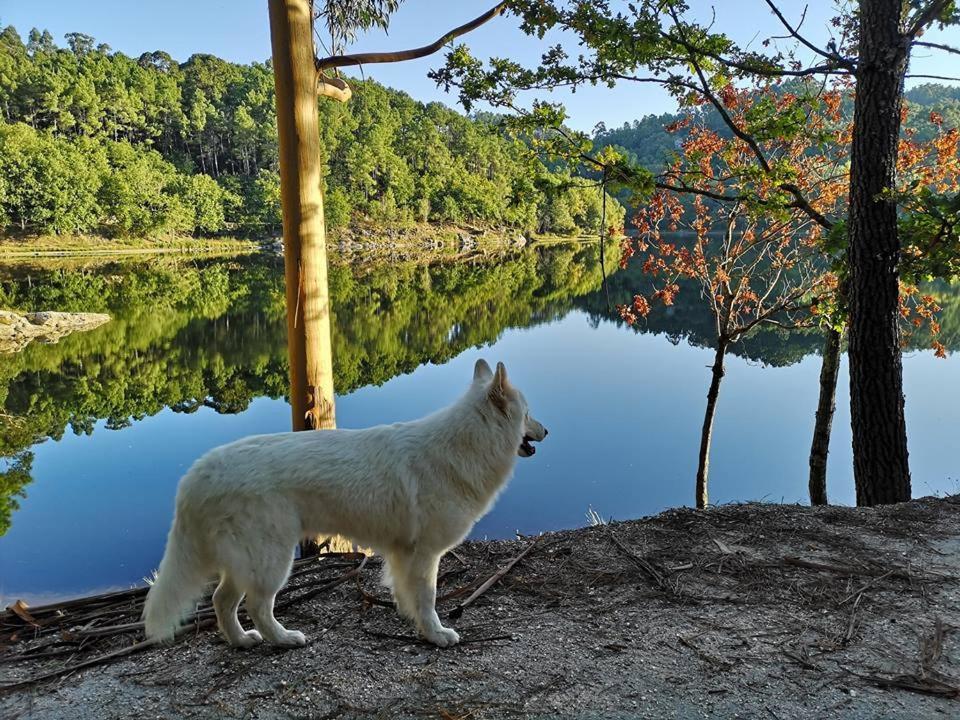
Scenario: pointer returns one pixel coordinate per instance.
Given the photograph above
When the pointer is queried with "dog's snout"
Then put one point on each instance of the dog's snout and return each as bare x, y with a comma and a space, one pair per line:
545, 432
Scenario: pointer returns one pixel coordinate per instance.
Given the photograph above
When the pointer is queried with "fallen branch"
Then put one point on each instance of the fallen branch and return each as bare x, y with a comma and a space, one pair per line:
491, 581
323, 588
927, 680
848, 569
640, 562
202, 619
914, 683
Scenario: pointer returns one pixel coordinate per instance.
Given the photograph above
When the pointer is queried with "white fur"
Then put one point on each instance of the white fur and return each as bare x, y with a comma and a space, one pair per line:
410, 490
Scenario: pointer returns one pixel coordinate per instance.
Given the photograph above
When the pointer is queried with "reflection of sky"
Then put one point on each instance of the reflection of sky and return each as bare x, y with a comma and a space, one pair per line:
624, 413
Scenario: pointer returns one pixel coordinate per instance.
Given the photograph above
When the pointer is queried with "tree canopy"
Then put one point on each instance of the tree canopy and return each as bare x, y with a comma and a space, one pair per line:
94, 141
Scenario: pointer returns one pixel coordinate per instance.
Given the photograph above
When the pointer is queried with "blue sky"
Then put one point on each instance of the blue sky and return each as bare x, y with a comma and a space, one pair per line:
238, 30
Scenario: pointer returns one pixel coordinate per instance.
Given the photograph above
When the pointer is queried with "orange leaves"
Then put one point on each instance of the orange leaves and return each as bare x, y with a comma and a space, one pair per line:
702, 140
667, 293
729, 97
753, 251
641, 305
627, 314
833, 100
933, 164
919, 309
654, 265
631, 313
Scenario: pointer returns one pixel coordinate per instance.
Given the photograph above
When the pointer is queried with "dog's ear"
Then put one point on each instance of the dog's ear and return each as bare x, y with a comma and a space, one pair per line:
482, 371
500, 376
498, 388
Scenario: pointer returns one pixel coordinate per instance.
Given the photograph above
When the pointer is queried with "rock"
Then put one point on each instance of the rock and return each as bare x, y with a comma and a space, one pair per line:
466, 241
17, 331
273, 246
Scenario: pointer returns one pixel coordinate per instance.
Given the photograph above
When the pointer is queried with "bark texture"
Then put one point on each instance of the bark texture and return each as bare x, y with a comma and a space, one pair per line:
820, 447
881, 470
706, 434
304, 234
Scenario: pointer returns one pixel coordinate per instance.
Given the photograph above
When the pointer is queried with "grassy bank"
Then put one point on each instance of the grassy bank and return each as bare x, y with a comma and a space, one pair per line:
79, 245
364, 238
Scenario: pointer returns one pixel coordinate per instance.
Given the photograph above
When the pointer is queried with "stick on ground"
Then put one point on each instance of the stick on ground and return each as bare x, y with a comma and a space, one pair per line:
491, 581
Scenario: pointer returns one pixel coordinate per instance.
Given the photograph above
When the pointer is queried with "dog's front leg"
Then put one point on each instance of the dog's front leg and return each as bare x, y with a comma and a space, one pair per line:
422, 576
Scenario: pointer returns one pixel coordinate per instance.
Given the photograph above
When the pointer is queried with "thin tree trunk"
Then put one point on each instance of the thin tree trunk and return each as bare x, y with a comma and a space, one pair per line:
820, 447
706, 435
881, 468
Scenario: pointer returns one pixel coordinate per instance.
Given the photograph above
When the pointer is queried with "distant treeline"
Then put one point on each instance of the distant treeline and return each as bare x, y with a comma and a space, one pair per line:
646, 142
93, 141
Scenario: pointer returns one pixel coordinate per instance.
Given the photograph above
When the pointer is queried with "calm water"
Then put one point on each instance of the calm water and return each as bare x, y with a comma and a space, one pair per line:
96, 431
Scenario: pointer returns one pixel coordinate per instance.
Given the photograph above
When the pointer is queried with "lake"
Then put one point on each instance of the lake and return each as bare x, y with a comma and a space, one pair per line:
96, 431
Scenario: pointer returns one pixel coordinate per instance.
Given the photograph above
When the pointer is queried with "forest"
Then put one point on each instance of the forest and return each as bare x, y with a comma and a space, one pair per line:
95, 142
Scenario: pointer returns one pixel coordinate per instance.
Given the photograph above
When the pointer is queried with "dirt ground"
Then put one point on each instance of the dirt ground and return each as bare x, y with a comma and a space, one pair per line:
749, 611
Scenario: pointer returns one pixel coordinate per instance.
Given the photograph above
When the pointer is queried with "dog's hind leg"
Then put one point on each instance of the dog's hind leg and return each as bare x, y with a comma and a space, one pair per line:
421, 584
396, 576
261, 591
226, 601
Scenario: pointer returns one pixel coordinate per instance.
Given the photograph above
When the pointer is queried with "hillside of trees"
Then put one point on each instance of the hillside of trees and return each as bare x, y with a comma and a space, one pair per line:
647, 143
95, 142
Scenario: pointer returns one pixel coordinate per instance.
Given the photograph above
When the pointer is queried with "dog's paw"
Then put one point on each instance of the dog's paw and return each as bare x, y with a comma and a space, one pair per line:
249, 639
443, 637
291, 638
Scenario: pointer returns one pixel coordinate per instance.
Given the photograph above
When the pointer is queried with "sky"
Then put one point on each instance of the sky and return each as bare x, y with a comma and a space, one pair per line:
238, 30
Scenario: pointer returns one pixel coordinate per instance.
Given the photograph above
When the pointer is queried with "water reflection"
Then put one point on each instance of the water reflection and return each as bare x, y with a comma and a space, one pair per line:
212, 334
196, 356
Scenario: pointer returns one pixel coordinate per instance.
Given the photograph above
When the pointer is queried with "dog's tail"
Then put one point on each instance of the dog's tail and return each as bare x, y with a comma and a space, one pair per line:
179, 583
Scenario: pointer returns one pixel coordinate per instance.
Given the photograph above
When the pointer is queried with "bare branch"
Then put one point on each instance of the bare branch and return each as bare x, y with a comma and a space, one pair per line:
936, 46
825, 69
934, 77
835, 57
338, 61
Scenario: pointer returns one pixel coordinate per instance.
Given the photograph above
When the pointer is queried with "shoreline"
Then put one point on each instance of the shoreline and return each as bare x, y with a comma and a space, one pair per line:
103, 247
359, 239
776, 611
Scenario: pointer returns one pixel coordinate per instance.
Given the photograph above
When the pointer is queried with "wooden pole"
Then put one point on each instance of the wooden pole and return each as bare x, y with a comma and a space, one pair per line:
304, 235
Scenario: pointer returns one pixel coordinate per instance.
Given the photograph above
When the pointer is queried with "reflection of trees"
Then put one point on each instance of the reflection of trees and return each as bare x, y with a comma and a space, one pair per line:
690, 319
14, 477
212, 333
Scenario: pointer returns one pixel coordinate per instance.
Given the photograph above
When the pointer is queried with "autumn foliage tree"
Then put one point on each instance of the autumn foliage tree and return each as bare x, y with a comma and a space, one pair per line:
759, 257
751, 252
670, 43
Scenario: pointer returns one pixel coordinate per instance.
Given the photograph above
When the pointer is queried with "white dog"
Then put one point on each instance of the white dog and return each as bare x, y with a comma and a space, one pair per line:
410, 490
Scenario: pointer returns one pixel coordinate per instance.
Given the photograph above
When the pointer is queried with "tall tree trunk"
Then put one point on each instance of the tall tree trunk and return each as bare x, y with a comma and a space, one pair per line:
880, 464
706, 434
304, 234
820, 447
